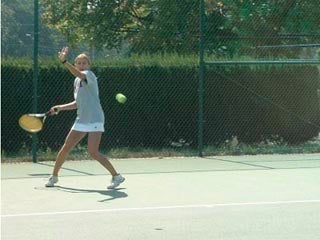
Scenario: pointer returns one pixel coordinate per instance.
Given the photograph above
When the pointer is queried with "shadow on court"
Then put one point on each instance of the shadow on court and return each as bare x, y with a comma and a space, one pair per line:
112, 194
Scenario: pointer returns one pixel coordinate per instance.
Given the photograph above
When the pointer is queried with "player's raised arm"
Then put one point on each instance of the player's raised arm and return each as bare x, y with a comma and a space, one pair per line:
74, 70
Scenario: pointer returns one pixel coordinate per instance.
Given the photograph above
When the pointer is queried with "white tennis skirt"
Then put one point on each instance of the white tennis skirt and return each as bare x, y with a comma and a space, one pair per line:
88, 127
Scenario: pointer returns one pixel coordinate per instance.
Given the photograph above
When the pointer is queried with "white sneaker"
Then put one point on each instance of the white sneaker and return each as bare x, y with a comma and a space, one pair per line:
51, 181
116, 181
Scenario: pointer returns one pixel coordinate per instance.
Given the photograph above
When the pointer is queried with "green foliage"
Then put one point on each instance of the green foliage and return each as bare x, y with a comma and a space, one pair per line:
99, 23
232, 27
14, 31
135, 60
162, 106
80, 152
17, 25
174, 28
267, 23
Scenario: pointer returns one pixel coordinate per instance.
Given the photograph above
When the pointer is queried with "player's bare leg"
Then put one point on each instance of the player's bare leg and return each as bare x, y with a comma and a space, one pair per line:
71, 141
73, 138
94, 139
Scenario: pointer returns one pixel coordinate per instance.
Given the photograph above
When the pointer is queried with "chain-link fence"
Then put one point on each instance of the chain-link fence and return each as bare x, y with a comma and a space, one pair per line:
267, 94
258, 87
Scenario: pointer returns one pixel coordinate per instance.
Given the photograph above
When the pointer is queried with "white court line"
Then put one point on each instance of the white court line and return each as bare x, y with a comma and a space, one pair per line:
217, 205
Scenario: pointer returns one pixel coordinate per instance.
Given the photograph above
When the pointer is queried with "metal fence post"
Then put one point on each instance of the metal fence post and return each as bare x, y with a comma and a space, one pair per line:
201, 79
35, 75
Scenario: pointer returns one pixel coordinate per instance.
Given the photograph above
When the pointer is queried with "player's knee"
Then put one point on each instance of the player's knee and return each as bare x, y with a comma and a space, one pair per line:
94, 153
66, 148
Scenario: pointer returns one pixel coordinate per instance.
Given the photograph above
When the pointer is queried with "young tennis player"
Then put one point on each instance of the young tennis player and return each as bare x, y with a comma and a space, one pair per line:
90, 117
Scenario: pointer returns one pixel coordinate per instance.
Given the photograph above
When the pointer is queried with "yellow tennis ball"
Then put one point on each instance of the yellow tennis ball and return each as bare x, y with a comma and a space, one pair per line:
121, 98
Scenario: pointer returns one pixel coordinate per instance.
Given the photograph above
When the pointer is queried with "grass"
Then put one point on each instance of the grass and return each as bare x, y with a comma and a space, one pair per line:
244, 149
162, 60
135, 60
178, 151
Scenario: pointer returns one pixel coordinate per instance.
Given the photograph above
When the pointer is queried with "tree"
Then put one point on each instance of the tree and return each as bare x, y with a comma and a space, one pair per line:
15, 29
173, 25
17, 17
174, 28
100, 23
273, 22
147, 25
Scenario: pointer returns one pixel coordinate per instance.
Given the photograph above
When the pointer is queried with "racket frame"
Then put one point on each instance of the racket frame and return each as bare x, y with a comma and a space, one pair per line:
37, 118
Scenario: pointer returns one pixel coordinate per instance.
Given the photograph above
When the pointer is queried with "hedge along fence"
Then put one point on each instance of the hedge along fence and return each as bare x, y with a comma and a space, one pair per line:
274, 103
162, 107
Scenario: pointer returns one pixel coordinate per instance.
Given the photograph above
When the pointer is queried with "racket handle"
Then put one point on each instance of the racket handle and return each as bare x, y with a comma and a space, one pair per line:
49, 113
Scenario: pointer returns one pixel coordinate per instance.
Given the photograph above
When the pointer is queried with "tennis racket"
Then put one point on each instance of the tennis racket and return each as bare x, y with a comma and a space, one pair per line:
33, 122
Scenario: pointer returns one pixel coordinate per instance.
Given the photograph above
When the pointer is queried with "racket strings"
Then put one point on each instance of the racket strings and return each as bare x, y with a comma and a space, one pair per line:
30, 123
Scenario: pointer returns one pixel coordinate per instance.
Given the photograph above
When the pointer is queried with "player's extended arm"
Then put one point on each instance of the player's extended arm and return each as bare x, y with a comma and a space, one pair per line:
63, 58
75, 72
64, 107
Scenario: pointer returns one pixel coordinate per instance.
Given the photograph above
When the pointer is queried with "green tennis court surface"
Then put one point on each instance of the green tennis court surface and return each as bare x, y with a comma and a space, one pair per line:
262, 197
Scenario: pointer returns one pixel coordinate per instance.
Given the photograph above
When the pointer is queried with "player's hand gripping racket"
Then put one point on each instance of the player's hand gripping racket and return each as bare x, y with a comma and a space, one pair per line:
33, 122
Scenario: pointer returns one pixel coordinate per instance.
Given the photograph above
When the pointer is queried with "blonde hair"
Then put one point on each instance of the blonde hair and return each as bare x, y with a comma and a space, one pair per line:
83, 56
